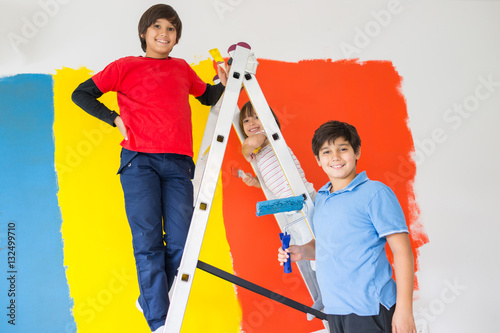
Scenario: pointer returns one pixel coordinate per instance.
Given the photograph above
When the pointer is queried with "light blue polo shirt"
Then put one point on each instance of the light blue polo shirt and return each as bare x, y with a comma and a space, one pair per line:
350, 225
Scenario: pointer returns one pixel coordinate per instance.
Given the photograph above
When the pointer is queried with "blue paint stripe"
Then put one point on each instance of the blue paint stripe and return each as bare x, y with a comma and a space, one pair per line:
28, 199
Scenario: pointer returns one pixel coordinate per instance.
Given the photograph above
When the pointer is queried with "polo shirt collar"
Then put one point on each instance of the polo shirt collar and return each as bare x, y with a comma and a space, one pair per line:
358, 180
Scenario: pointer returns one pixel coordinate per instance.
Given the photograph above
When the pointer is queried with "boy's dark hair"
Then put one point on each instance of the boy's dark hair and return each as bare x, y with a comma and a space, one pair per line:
247, 110
156, 12
331, 131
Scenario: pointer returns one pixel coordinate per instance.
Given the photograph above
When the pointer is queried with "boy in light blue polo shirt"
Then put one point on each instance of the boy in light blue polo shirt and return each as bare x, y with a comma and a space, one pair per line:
354, 218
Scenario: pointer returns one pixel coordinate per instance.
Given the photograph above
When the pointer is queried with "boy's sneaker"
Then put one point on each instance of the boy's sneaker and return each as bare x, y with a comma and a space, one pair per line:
159, 329
138, 306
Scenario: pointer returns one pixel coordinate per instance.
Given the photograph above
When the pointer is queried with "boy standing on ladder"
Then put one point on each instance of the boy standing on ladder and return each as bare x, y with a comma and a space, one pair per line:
354, 218
156, 160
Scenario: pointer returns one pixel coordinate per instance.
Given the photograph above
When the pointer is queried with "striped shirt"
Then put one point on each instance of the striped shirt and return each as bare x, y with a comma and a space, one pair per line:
273, 175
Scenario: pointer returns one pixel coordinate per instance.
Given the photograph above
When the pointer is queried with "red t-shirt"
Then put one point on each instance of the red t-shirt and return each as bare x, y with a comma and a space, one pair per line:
153, 96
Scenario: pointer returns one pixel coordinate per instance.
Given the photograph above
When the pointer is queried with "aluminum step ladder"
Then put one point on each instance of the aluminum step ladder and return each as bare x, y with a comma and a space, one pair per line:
222, 115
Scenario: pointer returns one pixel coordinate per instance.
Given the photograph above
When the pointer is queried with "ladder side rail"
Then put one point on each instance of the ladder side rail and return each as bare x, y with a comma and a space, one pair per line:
185, 274
278, 144
287, 165
201, 160
308, 275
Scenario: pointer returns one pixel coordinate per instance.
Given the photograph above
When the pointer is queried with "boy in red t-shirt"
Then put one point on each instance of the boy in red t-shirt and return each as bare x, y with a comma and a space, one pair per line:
156, 159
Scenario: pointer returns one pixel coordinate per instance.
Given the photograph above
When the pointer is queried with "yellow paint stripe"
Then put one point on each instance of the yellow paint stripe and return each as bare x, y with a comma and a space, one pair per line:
97, 242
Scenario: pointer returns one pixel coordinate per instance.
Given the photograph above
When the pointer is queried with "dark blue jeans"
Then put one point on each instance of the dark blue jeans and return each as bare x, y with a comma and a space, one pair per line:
159, 205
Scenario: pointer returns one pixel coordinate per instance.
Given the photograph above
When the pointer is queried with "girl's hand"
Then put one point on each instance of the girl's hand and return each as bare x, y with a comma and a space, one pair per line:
251, 180
121, 127
251, 143
250, 158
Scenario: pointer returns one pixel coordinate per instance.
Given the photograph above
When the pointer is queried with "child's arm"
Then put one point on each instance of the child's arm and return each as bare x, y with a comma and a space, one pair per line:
213, 93
250, 144
86, 95
403, 321
298, 252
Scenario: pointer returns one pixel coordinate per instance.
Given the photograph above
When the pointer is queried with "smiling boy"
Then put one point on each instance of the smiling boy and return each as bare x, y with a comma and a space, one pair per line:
354, 218
157, 151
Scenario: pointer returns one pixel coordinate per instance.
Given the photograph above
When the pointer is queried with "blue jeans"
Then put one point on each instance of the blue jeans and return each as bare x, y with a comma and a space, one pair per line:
159, 205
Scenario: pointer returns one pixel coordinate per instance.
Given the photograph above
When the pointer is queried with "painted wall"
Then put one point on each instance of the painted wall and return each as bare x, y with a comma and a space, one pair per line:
58, 165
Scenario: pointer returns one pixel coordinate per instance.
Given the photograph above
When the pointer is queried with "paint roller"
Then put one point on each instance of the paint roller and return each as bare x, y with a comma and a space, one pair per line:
280, 206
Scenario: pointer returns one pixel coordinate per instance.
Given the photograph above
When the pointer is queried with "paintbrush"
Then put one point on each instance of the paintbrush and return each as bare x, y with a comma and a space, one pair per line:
237, 172
218, 58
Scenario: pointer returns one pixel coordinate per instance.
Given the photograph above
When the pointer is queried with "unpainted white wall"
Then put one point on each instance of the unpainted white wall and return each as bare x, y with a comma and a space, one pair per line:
446, 51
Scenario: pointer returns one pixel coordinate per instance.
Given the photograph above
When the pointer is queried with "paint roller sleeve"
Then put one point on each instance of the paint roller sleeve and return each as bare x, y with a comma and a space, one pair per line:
280, 205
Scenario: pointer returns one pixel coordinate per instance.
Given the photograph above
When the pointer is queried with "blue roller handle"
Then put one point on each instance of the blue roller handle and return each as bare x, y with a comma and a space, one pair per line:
285, 243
